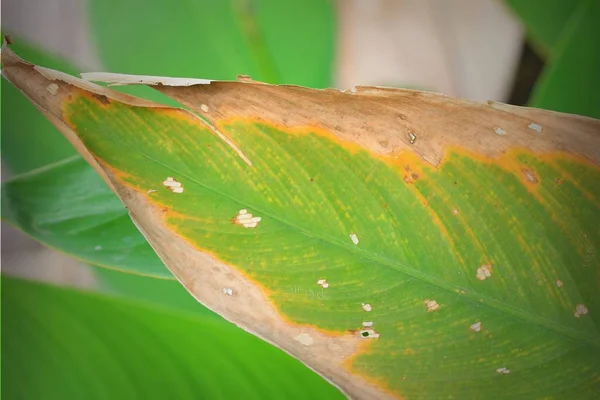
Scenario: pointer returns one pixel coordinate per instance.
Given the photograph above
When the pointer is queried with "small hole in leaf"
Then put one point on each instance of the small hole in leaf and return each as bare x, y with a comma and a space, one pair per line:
365, 334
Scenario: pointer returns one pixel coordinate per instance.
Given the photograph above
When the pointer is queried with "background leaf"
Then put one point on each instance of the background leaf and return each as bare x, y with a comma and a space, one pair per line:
544, 20
68, 207
62, 344
269, 40
571, 82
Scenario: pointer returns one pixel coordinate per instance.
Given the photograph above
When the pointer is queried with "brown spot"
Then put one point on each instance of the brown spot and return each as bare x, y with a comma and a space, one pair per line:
312, 179
165, 210
101, 98
414, 176
558, 181
529, 175
8, 39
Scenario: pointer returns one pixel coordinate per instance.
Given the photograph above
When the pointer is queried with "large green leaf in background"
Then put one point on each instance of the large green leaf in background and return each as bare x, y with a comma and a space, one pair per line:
567, 31
63, 344
270, 40
571, 82
67, 206
544, 20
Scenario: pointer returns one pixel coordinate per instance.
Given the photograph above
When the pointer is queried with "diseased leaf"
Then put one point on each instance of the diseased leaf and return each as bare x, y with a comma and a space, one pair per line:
63, 344
403, 244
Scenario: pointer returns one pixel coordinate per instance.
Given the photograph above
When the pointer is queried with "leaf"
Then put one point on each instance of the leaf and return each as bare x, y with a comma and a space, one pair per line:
545, 20
465, 233
63, 344
29, 141
66, 206
570, 83
267, 39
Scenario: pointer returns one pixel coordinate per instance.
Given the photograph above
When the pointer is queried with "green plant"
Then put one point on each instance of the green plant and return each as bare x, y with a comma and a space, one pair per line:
517, 233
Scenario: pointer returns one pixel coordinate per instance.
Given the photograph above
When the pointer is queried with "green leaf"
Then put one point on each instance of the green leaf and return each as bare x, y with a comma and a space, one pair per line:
544, 20
409, 244
280, 42
63, 344
166, 293
67, 207
571, 83
29, 140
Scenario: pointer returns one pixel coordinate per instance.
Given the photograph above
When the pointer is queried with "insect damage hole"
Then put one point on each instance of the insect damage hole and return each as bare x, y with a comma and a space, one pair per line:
245, 219
499, 131
503, 370
354, 238
173, 185
535, 127
228, 291
366, 307
52, 88
369, 334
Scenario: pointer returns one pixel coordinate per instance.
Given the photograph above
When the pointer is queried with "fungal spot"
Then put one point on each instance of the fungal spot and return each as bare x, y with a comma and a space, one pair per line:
323, 283
246, 219
580, 309
228, 291
367, 324
98, 248
101, 98
535, 127
412, 137
369, 334
431, 305
499, 131
52, 88
366, 307
503, 370
204, 108
484, 272
559, 283
173, 185
529, 175
354, 238
476, 327
305, 339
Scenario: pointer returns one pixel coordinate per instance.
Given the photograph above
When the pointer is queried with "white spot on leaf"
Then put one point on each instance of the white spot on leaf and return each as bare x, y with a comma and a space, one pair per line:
305, 339
98, 248
52, 88
354, 238
580, 309
323, 283
366, 324
559, 283
476, 327
503, 370
172, 184
535, 127
204, 108
246, 219
228, 291
431, 305
151, 191
366, 307
484, 272
499, 131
